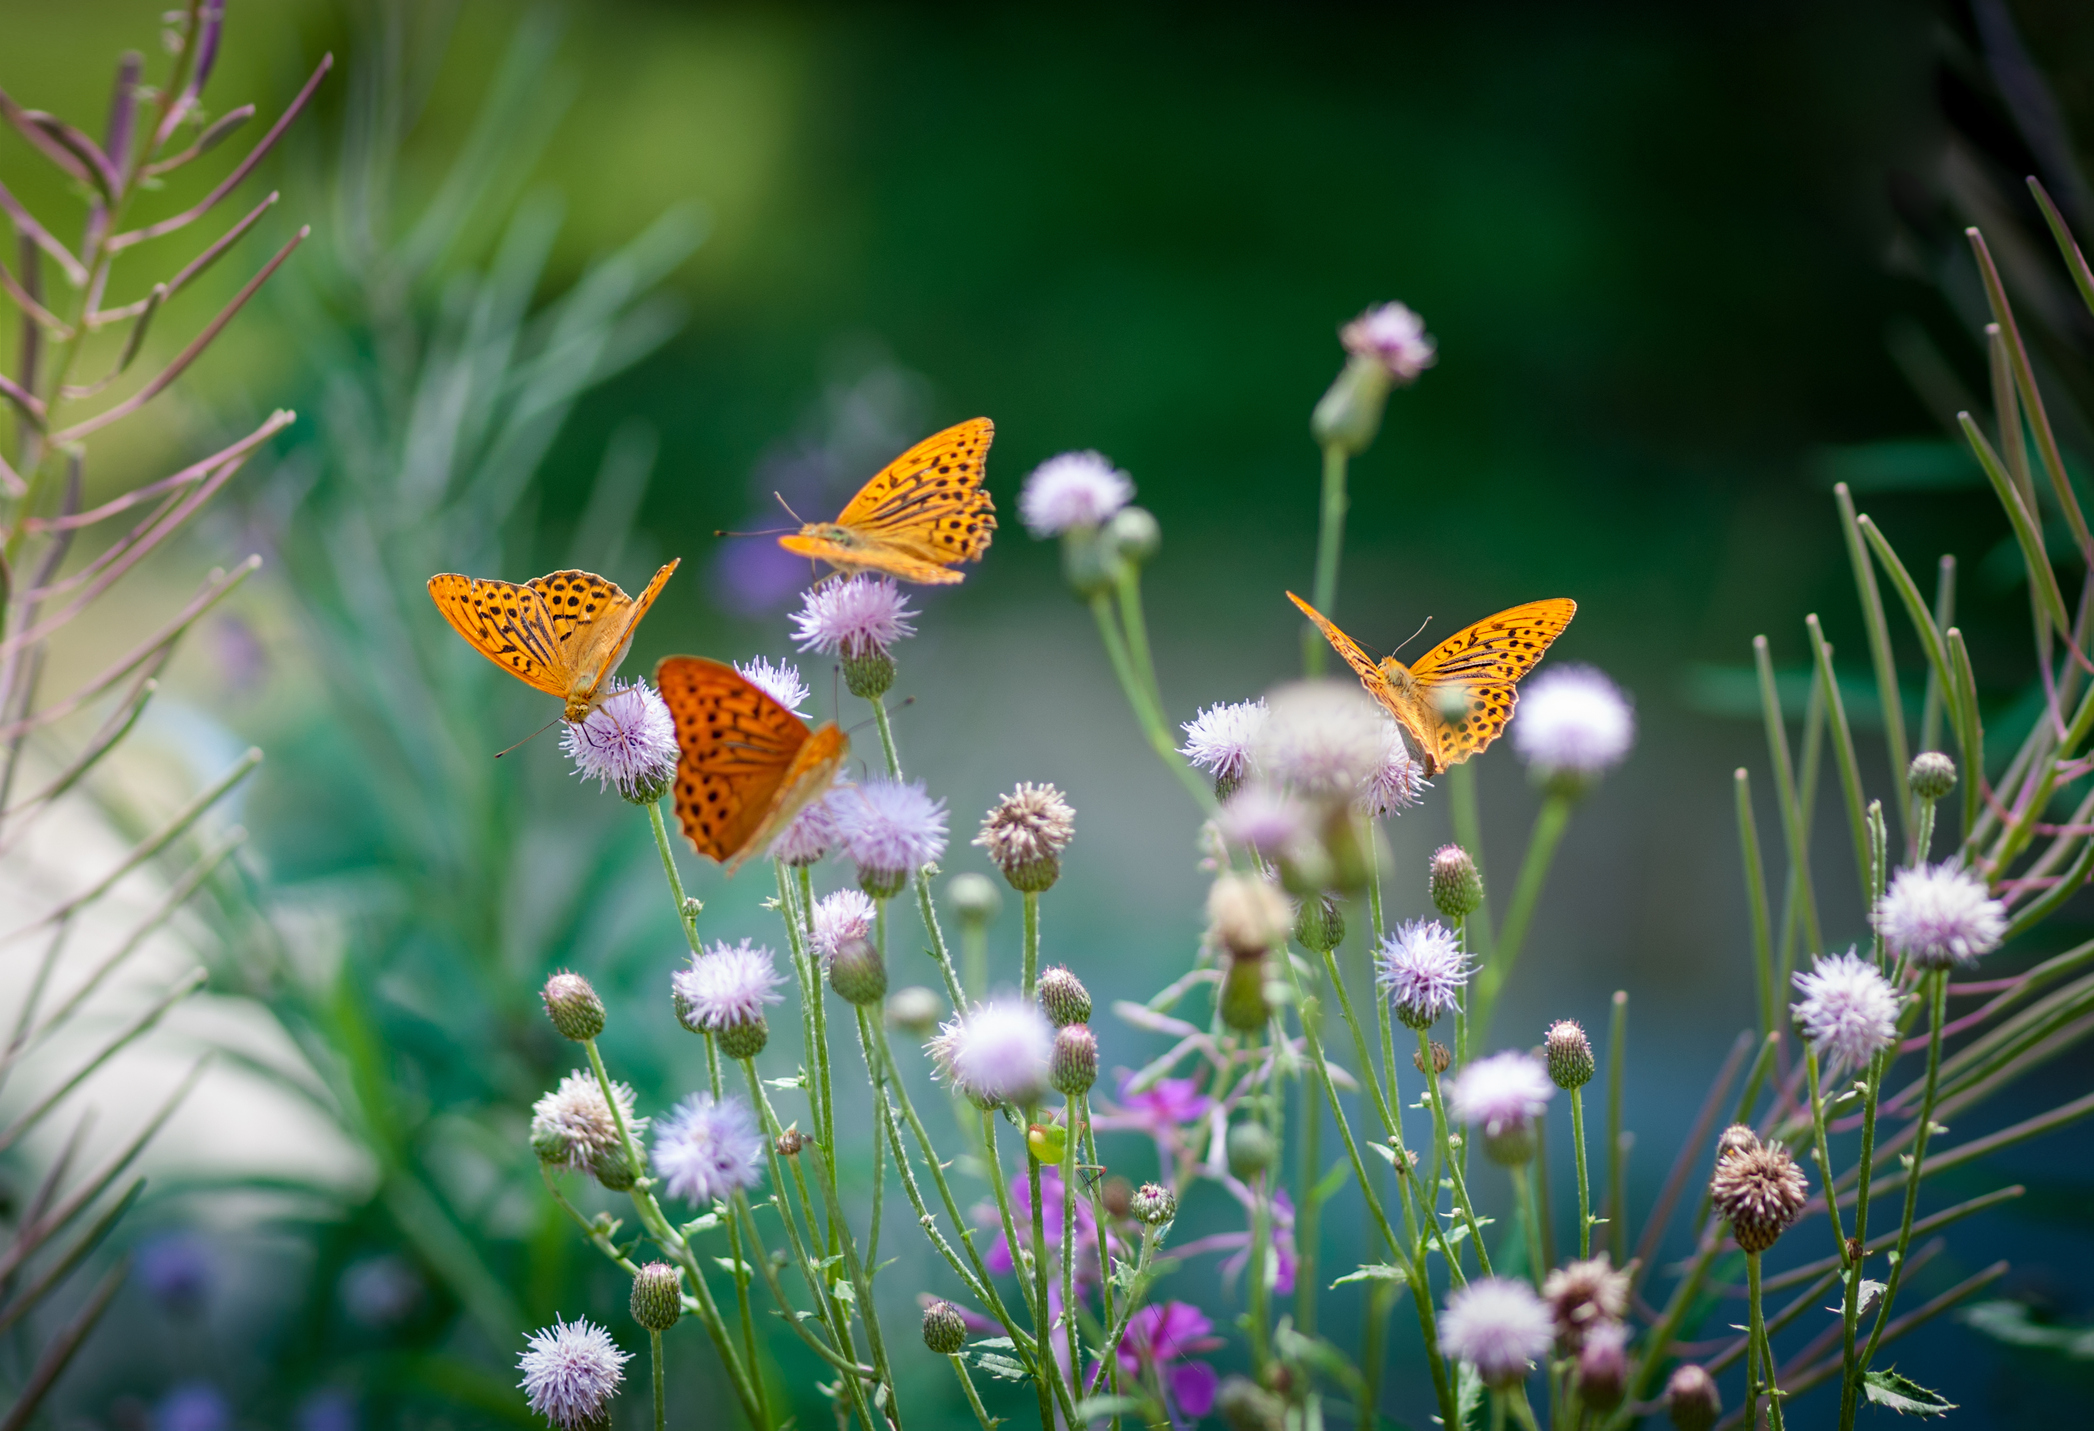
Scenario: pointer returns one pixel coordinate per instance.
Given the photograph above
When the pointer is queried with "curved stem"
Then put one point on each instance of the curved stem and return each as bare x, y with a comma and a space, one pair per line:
1549, 824
1330, 547
1938, 1000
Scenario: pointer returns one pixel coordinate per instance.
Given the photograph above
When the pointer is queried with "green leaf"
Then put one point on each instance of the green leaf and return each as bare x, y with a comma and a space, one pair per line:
1903, 1395
798, 1080
997, 1344
1469, 1398
2010, 1322
1002, 1367
1373, 1272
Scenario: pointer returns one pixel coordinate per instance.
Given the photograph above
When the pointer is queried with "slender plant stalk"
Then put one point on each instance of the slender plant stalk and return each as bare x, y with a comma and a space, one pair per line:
1617, 1198
1937, 996
1443, 1136
661, 1406
1549, 825
1148, 716
1530, 1213
1584, 1183
1330, 549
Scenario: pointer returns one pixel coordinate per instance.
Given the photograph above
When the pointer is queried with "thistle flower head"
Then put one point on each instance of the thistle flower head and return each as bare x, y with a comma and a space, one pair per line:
1266, 819
1939, 916
860, 617
809, 835
1932, 775
1393, 336
1322, 739
573, 1006
1583, 1296
846, 914
857, 972
1075, 491
1397, 783
572, 1126
726, 986
1025, 833
1219, 740
628, 741
1153, 1203
891, 829
1503, 1095
1848, 1011
1247, 914
1063, 996
1569, 1054
1454, 882
708, 1148
657, 1297
1497, 1326
944, 1329
1573, 725
1603, 1366
1075, 1065
781, 682
1760, 1190
1691, 1398
1421, 968
997, 1052
571, 1370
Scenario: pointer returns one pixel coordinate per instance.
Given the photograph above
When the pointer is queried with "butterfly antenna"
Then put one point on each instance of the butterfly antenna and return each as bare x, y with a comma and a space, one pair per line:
902, 705
766, 532
788, 508
529, 738
1414, 635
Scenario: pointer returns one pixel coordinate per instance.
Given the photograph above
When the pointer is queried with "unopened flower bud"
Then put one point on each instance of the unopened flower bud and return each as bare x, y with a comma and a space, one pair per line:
1134, 533
1603, 1366
1737, 1138
1247, 915
882, 883
1455, 882
1075, 1066
1442, 1058
613, 1169
915, 1009
573, 1007
657, 1300
1243, 1005
1933, 775
693, 906
1319, 924
974, 897
1243, 1405
1691, 1399
944, 1329
744, 1038
1064, 997
1349, 414
856, 972
869, 675
1154, 1204
1090, 561
1251, 1149
1569, 1055
789, 1143
1118, 1196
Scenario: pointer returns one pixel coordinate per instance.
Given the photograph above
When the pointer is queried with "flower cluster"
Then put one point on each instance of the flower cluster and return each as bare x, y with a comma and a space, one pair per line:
628, 742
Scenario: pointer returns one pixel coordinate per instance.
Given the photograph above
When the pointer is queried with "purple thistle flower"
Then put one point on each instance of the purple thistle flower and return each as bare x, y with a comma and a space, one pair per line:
808, 835
1165, 1105
1397, 783
997, 1052
1573, 722
1421, 968
1219, 739
570, 1373
177, 1271
1848, 1011
1077, 490
1498, 1326
781, 682
629, 741
1393, 336
727, 985
846, 914
891, 829
709, 1148
193, 1406
1939, 916
859, 617
1261, 818
1502, 1094
573, 1127
1322, 739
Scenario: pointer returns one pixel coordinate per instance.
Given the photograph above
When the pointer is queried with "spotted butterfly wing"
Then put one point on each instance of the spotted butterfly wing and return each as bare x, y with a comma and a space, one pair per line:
746, 765
563, 633
1484, 664
920, 514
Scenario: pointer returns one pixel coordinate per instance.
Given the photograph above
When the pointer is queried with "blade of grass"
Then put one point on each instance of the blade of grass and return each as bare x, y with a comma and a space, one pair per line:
2026, 532
1880, 655
2075, 261
1843, 753
1756, 898
1793, 832
1944, 613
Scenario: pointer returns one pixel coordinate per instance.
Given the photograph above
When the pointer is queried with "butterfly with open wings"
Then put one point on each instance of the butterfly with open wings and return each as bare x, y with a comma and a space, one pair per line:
920, 514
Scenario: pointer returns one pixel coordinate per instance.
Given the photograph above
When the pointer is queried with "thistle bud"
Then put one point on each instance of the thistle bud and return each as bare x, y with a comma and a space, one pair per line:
1569, 1055
613, 1169
1319, 924
744, 1038
1455, 883
1064, 997
1118, 1196
1691, 1399
657, 1300
1243, 1005
1243, 1405
1349, 414
1251, 1149
915, 1008
974, 897
1247, 915
1603, 1366
1090, 561
1154, 1204
693, 906
1737, 1138
1135, 534
573, 1007
1075, 1066
870, 675
1933, 775
856, 973
789, 1143
882, 883
1442, 1058
944, 1329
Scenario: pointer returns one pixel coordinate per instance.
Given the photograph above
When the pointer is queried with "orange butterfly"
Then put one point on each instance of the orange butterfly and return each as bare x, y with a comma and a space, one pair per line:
921, 513
747, 764
1454, 700
563, 634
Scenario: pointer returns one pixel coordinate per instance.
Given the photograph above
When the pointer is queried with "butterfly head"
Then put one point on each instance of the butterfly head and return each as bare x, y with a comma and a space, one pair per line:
579, 705
832, 532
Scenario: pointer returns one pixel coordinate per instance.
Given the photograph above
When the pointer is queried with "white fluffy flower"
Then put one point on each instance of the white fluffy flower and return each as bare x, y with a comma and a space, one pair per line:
1393, 336
846, 914
1501, 1094
572, 1126
726, 987
629, 741
1218, 740
810, 834
709, 1148
1848, 1011
1939, 916
1573, 721
1498, 1326
996, 1052
780, 681
1397, 783
1322, 739
1261, 818
571, 1370
1074, 490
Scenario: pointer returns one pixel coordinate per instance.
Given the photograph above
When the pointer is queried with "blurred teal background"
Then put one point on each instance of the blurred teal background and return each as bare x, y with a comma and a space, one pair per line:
1686, 267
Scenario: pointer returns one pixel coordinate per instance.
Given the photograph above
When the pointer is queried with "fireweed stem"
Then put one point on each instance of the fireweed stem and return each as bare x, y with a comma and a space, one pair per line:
1149, 717
1764, 1378
1937, 985
1542, 843
1330, 546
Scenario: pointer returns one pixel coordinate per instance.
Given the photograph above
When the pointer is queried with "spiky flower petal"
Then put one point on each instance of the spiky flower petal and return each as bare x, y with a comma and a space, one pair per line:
1497, 1326
1939, 916
1075, 491
1848, 1011
709, 1148
1421, 968
997, 1052
628, 741
571, 1370
780, 681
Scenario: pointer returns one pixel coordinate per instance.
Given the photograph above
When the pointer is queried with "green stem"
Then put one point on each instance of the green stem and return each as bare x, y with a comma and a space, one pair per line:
1468, 833
1100, 1221
974, 1399
661, 1410
1031, 974
1938, 1002
1330, 546
1443, 1135
1549, 824
1149, 717
1044, 1374
1308, 1220
1137, 629
1530, 1213
685, 915
1850, 1309
1617, 1193
1584, 1184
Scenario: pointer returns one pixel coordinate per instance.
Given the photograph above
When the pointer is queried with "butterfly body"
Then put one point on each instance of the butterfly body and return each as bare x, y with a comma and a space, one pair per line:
563, 633
746, 765
1458, 697
920, 514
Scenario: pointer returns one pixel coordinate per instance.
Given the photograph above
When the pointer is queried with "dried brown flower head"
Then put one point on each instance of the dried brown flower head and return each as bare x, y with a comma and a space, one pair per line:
1761, 1191
1025, 834
1583, 1295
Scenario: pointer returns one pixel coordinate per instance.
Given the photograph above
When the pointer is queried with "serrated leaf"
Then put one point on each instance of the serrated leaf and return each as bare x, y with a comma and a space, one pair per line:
1002, 1367
842, 1291
1469, 1398
1373, 1272
797, 1080
1098, 1408
1903, 1395
1871, 1289
996, 1344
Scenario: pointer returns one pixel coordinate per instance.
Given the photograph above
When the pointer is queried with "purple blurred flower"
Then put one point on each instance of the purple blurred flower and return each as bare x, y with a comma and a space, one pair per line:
1167, 1104
177, 1271
1164, 1337
998, 1258
193, 1406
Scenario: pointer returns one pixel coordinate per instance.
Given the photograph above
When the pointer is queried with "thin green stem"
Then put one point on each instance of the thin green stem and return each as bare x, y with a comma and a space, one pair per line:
1044, 1374
1938, 1001
1148, 716
1584, 1183
974, 1399
1100, 1221
1444, 1136
1330, 547
1530, 1214
1850, 1309
686, 917
1468, 833
661, 1408
1137, 629
1617, 1197
1549, 824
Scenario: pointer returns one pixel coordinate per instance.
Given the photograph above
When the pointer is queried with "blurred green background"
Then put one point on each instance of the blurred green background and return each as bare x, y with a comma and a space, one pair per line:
1687, 266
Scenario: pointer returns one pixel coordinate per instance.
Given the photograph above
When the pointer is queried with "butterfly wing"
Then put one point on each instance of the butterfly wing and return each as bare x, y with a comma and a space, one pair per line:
512, 626
744, 765
1399, 701
920, 514
594, 620
1482, 665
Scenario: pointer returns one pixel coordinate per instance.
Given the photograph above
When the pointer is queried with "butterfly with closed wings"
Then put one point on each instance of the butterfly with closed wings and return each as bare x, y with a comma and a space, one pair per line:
920, 514
1454, 700
563, 633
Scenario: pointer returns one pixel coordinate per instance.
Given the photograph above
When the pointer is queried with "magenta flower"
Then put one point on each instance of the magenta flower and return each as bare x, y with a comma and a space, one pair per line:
1163, 1338
1170, 1103
998, 1259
